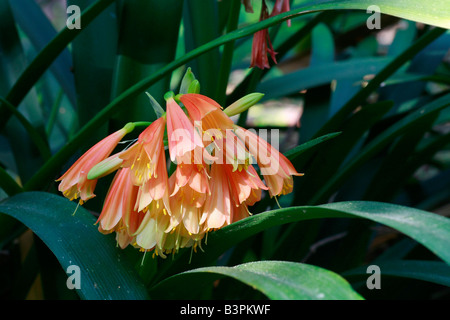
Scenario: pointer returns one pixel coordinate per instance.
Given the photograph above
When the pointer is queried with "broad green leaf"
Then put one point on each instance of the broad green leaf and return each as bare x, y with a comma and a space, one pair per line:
431, 230
75, 240
323, 49
278, 280
431, 271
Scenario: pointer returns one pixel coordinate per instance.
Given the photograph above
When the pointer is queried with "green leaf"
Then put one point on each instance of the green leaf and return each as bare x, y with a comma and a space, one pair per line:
35, 136
320, 74
75, 240
142, 51
298, 150
431, 230
323, 49
8, 184
39, 29
45, 58
361, 96
93, 68
328, 160
431, 271
278, 280
197, 15
400, 127
159, 111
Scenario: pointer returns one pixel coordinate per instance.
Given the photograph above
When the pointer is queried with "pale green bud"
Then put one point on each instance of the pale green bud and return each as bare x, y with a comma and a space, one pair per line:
188, 78
194, 87
105, 167
129, 127
243, 104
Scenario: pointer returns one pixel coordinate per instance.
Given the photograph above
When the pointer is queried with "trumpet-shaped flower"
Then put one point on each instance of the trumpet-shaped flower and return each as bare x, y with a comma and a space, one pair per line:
207, 111
75, 183
147, 163
119, 202
183, 138
275, 167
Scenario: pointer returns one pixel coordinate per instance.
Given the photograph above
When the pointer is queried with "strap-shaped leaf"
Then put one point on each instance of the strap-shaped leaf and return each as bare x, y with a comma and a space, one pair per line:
278, 280
430, 230
74, 240
431, 271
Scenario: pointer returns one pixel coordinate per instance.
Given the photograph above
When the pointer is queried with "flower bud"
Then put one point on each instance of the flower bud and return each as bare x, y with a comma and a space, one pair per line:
243, 104
194, 87
105, 167
188, 78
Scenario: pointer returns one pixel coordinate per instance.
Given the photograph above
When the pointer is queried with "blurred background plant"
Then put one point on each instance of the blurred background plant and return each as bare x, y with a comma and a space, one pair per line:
362, 112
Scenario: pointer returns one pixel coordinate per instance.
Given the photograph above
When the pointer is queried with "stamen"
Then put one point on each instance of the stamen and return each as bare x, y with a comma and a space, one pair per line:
277, 202
79, 202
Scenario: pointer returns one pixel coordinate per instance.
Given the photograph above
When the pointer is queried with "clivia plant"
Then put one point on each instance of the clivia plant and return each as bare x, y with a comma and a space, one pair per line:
241, 149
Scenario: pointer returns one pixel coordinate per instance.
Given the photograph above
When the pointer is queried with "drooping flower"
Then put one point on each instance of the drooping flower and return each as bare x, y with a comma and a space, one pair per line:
118, 210
153, 229
206, 111
190, 153
218, 206
212, 186
262, 44
182, 136
248, 5
275, 167
147, 163
75, 183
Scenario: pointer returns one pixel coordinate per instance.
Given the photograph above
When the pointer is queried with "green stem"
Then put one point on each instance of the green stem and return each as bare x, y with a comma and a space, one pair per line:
142, 123
227, 55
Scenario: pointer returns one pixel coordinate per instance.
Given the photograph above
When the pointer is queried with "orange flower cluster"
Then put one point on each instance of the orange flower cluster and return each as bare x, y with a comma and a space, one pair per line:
212, 186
